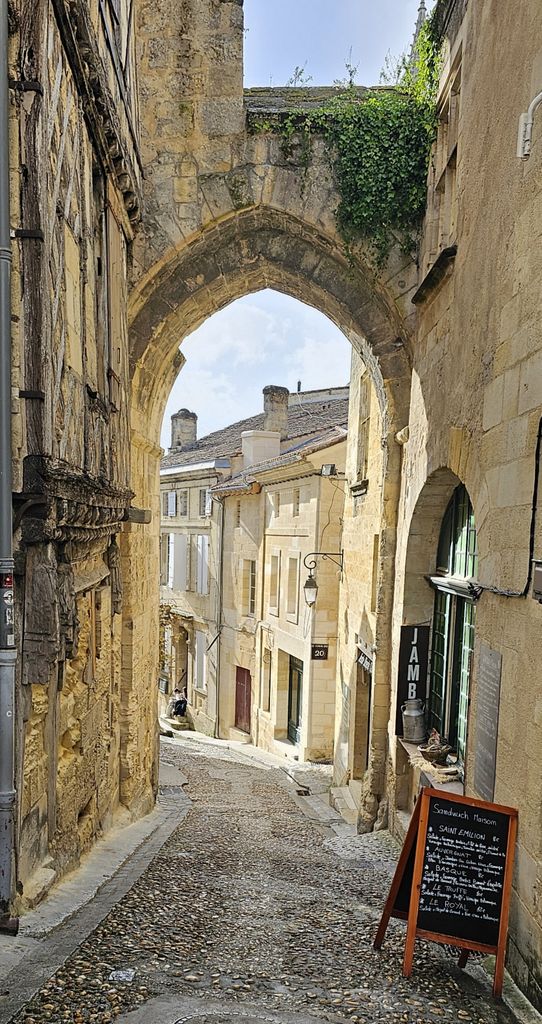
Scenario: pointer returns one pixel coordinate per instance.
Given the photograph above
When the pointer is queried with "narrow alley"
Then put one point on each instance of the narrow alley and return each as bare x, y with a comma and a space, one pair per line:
254, 908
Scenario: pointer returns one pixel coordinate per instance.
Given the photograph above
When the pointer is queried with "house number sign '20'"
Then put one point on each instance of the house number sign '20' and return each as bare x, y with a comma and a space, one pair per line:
320, 652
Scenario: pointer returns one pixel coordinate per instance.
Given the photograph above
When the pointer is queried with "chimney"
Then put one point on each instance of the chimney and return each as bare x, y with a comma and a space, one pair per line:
184, 429
275, 406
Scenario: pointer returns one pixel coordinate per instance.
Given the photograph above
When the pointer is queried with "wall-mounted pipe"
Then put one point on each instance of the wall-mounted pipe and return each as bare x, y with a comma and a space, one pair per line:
525, 131
7, 631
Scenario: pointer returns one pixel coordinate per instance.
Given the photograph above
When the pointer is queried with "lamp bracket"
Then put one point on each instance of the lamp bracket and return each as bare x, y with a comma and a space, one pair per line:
310, 560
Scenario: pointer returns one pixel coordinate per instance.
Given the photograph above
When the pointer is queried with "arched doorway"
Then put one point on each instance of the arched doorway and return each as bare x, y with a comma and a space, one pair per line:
439, 594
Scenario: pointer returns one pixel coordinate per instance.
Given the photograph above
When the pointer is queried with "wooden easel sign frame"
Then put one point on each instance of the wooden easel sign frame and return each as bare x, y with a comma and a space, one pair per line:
454, 877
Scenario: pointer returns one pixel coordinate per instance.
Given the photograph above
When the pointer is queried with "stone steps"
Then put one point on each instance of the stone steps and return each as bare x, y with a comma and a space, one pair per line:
177, 724
342, 799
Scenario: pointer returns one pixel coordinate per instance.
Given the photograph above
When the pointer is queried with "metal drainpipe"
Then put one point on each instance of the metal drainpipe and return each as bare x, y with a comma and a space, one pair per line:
7, 637
220, 503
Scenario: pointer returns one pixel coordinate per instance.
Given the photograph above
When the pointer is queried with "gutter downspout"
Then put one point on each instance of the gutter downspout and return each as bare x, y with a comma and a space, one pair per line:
8, 655
220, 502
259, 633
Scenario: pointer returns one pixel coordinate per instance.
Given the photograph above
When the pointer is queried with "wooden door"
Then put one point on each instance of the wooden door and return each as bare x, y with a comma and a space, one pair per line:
360, 726
243, 699
295, 699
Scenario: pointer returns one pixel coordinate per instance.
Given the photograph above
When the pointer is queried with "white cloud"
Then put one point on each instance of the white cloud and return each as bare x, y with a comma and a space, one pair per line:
242, 332
318, 363
267, 338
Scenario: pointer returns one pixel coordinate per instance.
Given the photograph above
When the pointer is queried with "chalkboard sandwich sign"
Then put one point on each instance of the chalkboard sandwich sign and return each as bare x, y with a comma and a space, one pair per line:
452, 883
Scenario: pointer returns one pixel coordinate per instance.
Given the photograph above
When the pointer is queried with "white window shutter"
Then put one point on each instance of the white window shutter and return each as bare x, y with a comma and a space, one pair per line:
171, 561
203, 564
180, 562
189, 563
198, 564
172, 503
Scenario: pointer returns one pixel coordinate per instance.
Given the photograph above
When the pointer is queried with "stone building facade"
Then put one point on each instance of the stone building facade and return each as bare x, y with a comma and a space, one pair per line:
75, 203
189, 571
469, 503
363, 671
219, 496
277, 654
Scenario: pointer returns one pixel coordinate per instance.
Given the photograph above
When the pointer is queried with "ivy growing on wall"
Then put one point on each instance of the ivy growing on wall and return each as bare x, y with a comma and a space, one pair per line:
379, 144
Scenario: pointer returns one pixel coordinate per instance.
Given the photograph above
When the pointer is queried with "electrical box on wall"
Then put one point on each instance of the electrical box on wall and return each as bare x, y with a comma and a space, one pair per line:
537, 581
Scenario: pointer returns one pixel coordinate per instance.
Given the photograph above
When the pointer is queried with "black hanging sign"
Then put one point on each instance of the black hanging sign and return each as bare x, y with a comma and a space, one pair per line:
413, 666
365, 656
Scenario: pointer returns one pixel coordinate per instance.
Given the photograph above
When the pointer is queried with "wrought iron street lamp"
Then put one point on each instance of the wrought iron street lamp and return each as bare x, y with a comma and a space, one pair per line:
310, 562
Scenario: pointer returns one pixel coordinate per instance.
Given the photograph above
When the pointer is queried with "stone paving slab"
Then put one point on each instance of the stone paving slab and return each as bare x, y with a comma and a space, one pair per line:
184, 1011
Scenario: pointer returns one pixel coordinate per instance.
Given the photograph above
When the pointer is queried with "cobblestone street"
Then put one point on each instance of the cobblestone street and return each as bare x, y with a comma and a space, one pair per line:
253, 910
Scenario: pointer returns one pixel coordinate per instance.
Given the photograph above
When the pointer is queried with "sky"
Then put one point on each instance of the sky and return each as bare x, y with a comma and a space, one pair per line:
324, 35
268, 338
261, 339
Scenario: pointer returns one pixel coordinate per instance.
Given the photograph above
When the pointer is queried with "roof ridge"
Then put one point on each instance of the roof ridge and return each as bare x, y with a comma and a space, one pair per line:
304, 420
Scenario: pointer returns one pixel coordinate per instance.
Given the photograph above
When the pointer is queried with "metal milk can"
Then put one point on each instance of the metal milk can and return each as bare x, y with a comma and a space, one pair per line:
414, 730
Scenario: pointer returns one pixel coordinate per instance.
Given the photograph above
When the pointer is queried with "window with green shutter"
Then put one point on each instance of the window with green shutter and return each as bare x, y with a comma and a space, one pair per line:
453, 624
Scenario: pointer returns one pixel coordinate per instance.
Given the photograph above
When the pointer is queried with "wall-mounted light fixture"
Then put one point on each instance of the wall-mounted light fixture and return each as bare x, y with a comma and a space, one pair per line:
537, 580
310, 561
525, 131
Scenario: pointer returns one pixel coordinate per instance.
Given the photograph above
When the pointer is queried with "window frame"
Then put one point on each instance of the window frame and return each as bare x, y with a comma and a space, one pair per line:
205, 501
453, 625
274, 582
183, 503
251, 603
292, 613
202, 564
364, 425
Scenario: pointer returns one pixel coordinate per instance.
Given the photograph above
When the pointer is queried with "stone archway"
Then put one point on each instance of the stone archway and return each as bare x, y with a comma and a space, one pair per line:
250, 251
226, 213
244, 253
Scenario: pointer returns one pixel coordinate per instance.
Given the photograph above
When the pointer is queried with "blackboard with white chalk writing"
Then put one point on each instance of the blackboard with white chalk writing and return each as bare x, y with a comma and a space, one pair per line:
453, 879
463, 871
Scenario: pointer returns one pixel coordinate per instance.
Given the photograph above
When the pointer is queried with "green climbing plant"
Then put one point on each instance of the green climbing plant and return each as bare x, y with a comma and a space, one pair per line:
379, 143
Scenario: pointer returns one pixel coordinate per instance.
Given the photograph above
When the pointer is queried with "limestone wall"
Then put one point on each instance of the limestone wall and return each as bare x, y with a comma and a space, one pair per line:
475, 410
243, 530
75, 181
362, 741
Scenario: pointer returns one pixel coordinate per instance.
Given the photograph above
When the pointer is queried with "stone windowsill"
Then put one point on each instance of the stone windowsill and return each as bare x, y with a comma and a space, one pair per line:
428, 777
436, 273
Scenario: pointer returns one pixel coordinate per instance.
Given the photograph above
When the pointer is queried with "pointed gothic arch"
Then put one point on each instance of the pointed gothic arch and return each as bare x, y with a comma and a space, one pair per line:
240, 254
243, 254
